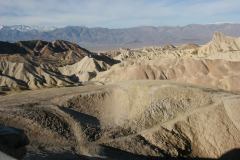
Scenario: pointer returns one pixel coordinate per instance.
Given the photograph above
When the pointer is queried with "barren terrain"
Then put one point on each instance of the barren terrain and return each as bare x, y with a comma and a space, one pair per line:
129, 119
169, 102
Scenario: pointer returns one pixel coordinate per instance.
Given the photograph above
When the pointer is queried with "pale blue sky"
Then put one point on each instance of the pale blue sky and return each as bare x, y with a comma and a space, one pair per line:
118, 13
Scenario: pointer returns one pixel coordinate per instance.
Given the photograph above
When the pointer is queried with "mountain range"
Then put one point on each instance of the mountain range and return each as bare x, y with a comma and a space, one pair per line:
104, 38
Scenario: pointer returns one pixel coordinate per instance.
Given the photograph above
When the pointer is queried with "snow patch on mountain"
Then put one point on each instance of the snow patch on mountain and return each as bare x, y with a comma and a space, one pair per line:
24, 28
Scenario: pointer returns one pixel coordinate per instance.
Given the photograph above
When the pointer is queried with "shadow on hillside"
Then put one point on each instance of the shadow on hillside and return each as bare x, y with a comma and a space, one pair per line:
45, 155
116, 154
82, 117
11, 48
13, 141
104, 58
22, 84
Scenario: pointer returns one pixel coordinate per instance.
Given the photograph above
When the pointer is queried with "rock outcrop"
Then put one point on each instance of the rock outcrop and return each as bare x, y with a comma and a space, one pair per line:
220, 43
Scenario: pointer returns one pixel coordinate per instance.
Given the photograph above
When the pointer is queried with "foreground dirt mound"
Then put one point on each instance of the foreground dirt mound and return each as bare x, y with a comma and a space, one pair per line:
130, 120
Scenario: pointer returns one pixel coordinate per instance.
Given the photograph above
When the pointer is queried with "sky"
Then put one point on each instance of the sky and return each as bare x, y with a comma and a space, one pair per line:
118, 13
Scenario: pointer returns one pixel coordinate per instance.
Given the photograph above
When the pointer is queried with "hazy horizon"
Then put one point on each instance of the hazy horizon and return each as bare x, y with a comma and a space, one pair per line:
118, 14
223, 23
